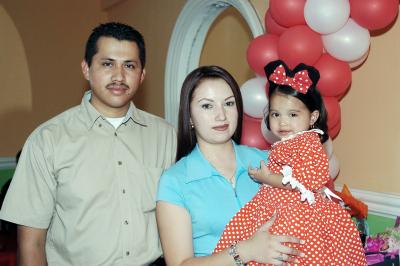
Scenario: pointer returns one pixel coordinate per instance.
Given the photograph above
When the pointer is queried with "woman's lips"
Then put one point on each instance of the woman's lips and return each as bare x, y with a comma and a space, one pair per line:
221, 128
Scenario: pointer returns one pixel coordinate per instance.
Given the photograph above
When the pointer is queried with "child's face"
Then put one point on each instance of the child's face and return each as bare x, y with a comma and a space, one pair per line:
288, 115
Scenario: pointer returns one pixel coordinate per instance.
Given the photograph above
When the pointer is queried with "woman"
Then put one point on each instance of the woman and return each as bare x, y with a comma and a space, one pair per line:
209, 183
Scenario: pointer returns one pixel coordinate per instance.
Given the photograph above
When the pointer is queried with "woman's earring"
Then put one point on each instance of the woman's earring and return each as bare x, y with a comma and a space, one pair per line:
191, 125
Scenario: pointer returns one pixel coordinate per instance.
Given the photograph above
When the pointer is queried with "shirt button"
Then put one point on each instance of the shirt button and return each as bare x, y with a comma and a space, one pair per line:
99, 125
119, 162
127, 253
123, 191
126, 222
115, 134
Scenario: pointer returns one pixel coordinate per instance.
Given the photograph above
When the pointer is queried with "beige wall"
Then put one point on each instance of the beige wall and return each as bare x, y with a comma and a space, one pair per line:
155, 19
41, 69
367, 146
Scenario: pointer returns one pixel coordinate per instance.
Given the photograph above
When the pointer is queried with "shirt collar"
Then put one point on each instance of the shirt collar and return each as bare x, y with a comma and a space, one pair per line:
92, 115
198, 167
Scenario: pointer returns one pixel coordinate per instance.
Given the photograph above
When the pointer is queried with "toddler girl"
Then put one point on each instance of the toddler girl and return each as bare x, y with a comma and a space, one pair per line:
297, 170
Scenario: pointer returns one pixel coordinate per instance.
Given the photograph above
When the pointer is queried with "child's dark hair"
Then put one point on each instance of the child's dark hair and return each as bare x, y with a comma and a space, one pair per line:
312, 99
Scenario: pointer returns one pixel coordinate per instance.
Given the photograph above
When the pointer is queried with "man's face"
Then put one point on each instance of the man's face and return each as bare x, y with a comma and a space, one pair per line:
114, 76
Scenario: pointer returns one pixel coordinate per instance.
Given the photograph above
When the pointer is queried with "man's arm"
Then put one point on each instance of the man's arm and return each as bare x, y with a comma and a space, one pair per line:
31, 246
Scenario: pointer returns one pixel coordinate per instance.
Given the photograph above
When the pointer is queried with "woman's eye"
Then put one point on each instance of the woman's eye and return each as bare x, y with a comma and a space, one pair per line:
230, 103
206, 106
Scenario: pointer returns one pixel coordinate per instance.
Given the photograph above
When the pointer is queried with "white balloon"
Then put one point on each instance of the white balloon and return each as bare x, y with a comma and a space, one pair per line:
254, 96
326, 16
267, 134
349, 43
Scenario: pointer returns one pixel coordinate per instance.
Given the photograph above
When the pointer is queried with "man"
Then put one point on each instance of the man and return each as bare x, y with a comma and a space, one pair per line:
84, 190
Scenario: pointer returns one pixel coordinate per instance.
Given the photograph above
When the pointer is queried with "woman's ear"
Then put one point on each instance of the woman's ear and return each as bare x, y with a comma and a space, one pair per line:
314, 117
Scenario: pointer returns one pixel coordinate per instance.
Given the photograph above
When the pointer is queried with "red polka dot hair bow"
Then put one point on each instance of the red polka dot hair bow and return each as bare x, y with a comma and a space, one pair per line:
300, 82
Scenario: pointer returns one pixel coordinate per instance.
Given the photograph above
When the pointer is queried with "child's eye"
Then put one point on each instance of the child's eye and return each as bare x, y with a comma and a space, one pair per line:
293, 115
273, 114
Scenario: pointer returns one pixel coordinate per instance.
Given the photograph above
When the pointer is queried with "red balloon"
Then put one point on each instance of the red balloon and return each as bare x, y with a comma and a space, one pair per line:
300, 44
333, 108
252, 135
288, 13
374, 14
262, 50
335, 76
334, 131
272, 26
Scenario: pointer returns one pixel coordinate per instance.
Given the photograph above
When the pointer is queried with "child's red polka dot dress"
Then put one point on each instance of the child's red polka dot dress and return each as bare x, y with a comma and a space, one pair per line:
330, 234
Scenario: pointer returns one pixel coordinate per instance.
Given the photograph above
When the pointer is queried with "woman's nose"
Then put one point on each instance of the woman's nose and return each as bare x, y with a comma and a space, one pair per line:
221, 115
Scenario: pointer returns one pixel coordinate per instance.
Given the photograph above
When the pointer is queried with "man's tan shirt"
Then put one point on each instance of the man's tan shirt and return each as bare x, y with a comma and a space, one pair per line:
93, 186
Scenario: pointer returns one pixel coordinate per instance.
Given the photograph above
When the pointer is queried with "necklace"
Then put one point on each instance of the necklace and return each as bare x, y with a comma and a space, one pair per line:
232, 180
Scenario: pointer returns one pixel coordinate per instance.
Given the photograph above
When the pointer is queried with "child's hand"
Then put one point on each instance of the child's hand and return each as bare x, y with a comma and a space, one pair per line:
261, 174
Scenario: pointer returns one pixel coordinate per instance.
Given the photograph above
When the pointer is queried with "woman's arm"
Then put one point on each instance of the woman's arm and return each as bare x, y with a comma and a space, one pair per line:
175, 228
334, 166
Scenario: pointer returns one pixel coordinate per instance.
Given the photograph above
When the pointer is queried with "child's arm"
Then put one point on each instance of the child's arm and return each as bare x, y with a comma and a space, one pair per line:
264, 175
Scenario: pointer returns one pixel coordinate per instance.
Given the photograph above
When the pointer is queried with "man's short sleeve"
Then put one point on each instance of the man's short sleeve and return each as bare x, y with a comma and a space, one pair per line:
30, 199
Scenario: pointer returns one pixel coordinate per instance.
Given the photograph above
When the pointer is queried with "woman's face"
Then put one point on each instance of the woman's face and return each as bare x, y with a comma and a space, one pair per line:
213, 112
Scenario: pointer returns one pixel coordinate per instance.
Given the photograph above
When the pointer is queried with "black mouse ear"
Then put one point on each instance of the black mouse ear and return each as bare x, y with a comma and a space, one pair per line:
271, 66
313, 73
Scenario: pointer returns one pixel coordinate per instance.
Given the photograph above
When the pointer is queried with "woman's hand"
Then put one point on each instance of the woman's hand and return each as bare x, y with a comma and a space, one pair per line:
264, 247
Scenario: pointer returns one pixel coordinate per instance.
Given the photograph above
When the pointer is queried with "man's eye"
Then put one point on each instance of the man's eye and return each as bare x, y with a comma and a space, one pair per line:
106, 64
130, 66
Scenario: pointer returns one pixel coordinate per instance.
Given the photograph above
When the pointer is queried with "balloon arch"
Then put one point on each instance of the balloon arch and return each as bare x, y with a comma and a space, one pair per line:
331, 35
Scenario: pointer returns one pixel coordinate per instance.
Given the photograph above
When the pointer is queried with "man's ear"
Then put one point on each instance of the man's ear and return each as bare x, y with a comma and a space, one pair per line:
314, 117
85, 69
142, 75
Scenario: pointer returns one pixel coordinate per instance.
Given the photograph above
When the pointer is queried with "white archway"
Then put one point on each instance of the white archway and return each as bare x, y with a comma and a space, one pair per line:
187, 41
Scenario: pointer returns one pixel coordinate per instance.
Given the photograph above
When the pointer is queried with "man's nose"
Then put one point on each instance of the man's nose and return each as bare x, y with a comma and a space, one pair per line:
118, 73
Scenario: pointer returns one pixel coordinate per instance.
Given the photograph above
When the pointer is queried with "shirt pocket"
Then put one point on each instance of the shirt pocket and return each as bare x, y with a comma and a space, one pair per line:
152, 175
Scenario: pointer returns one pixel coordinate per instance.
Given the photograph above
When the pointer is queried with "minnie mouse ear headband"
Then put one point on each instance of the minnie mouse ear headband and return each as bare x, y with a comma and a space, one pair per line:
301, 78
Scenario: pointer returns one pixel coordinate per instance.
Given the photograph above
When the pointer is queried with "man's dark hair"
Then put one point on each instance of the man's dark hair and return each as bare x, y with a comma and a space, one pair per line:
119, 31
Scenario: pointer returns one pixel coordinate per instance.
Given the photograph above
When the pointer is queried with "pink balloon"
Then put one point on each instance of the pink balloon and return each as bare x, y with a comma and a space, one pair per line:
299, 44
272, 26
252, 135
357, 63
374, 14
335, 76
334, 116
262, 50
288, 13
